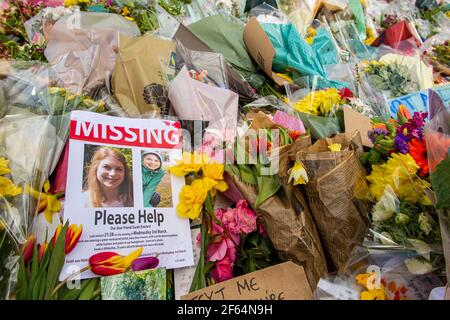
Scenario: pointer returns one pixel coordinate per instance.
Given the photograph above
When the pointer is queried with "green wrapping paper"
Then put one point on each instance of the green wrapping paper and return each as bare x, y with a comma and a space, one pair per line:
226, 37
293, 53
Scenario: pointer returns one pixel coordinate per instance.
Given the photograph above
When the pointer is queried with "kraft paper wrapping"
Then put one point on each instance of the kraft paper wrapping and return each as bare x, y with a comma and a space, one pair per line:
288, 221
335, 181
140, 75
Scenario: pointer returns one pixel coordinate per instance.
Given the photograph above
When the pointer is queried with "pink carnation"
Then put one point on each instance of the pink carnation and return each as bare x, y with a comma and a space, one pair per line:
223, 270
240, 220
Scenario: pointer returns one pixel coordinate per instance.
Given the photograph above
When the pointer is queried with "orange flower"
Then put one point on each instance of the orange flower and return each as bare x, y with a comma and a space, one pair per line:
41, 251
418, 150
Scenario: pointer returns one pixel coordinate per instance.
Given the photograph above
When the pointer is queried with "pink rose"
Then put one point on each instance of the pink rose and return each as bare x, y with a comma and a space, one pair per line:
223, 270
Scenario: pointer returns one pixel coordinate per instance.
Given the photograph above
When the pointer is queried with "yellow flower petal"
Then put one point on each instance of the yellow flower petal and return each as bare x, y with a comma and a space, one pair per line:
4, 168
126, 263
335, 147
46, 186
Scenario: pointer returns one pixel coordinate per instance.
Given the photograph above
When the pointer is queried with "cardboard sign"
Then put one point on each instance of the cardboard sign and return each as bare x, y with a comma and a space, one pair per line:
260, 48
354, 120
285, 281
418, 101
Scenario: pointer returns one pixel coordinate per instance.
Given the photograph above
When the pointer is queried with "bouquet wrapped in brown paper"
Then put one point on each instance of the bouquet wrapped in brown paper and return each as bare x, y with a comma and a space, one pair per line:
285, 213
336, 179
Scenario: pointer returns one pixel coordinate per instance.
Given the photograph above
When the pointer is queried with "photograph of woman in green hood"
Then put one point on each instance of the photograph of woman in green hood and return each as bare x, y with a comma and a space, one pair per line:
152, 174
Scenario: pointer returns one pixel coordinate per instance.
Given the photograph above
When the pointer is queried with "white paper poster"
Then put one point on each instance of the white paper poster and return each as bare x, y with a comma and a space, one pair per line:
120, 190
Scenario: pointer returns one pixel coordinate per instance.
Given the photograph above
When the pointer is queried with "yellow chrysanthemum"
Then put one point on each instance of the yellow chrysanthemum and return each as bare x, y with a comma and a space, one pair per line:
4, 168
400, 173
8, 188
318, 102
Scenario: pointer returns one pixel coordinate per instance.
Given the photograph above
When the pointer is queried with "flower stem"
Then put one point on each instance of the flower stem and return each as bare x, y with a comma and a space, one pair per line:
70, 277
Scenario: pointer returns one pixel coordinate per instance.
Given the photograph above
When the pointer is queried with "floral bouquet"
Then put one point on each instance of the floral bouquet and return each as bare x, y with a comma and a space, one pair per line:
399, 184
15, 43
377, 275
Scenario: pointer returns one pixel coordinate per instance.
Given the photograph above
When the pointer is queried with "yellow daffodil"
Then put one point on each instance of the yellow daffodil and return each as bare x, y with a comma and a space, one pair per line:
4, 168
298, 174
190, 162
8, 188
192, 198
129, 18
48, 203
214, 172
335, 147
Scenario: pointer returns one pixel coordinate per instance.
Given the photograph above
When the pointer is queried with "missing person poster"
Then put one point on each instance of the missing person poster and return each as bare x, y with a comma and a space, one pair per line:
119, 188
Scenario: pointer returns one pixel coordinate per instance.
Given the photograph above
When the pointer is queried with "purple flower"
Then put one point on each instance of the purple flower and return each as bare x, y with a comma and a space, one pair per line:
413, 128
373, 134
401, 143
144, 263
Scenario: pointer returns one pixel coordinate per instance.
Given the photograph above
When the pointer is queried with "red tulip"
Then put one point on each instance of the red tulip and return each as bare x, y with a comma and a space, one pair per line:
72, 236
28, 248
111, 263
56, 235
41, 250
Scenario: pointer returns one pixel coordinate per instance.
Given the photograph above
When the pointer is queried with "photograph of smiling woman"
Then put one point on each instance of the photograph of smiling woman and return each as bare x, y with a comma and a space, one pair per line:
109, 181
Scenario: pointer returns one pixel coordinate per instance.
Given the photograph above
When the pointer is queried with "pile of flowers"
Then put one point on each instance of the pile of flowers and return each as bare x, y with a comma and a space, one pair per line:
399, 184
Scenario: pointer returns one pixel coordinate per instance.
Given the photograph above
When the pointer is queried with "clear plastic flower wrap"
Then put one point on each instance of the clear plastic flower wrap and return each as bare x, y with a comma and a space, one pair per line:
377, 274
402, 212
207, 67
436, 51
34, 126
437, 136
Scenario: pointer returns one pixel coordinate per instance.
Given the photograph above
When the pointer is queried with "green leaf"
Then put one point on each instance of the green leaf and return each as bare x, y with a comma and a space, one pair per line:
56, 263
34, 272
246, 174
72, 294
267, 186
440, 180
22, 281
88, 292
